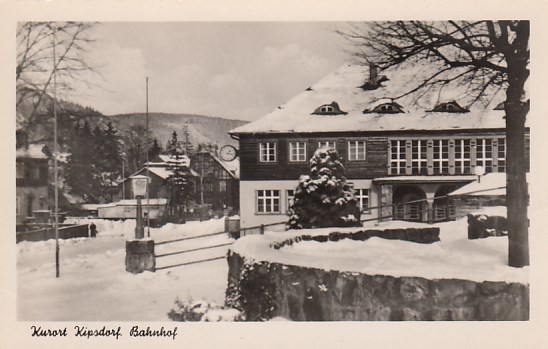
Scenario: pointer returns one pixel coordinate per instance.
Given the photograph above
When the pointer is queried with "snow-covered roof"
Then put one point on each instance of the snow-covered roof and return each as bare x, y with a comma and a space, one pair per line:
232, 167
90, 207
184, 160
161, 172
34, 151
421, 179
133, 202
490, 184
343, 87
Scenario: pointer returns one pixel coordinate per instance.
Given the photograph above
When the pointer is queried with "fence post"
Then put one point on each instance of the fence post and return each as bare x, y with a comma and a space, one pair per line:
140, 256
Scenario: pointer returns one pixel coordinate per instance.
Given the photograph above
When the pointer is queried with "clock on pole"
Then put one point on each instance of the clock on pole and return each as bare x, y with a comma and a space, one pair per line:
228, 153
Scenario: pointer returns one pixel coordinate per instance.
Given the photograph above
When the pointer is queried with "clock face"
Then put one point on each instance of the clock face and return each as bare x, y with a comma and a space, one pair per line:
228, 153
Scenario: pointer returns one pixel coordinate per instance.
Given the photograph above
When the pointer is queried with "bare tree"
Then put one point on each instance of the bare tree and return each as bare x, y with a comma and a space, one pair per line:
35, 64
485, 56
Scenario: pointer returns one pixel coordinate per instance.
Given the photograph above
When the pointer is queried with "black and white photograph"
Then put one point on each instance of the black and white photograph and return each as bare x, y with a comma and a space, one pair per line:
357, 173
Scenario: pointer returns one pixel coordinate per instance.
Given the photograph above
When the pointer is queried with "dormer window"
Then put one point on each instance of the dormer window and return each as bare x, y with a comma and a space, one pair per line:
385, 108
449, 107
329, 109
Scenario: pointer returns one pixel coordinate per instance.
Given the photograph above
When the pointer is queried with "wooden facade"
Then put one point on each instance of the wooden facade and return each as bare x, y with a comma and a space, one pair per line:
216, 184
379, 155
444, 166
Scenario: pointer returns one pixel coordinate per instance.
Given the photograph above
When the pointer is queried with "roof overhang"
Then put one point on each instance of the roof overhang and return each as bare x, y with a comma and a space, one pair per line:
424, 179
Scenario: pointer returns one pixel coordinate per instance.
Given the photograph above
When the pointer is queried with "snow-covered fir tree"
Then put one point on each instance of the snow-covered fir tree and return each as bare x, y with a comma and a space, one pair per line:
178, 180
324, 198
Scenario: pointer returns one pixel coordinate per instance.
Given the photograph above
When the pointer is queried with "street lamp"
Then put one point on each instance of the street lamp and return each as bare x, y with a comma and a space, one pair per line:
139, 185
479, 171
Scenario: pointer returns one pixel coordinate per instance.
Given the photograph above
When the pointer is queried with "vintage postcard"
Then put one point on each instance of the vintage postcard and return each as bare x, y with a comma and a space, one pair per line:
338, 174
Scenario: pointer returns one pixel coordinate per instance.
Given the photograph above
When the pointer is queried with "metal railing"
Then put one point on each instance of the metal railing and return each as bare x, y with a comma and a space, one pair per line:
156, 256
260, 229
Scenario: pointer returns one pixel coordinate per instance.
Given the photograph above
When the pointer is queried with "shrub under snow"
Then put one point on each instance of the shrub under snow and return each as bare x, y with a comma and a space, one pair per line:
192, 310
324, 198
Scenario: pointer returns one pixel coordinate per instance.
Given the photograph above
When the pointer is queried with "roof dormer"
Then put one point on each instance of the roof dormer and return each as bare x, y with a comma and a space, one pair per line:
329, 109
385, 108
449, 107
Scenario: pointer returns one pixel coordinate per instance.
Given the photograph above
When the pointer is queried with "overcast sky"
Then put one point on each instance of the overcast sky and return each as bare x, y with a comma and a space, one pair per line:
232, 70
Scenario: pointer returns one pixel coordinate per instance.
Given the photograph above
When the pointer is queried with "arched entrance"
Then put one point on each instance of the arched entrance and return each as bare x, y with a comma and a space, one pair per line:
443, 208
409, 203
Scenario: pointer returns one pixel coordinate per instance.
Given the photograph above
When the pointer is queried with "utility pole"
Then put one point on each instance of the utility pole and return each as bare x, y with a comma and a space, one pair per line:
55, 150
123, 180
147, 151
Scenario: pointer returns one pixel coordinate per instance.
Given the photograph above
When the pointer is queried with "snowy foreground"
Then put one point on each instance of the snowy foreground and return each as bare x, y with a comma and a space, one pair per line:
454, 257
95, 286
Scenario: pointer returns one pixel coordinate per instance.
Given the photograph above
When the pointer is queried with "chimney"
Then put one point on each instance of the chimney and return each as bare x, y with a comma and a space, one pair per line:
373, 75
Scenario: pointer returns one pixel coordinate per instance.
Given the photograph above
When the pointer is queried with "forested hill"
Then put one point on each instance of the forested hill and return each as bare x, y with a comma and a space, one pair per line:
202, 129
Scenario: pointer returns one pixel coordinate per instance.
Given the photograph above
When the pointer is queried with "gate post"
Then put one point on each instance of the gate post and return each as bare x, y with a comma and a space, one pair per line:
140, 256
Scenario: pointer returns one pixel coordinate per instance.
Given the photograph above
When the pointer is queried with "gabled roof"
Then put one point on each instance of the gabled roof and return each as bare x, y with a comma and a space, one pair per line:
343, 87
184, 160
232, 167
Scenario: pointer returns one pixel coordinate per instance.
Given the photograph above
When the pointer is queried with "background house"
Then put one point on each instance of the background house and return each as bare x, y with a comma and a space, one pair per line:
217, 182
31, 180
414, 150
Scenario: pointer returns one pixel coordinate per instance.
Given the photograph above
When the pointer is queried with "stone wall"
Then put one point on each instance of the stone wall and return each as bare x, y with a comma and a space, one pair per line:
264, 290
65, 232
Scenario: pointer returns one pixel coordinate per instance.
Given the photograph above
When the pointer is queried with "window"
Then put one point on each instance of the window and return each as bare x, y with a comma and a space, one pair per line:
363, 199
419, 160
268, 201
290, 194
327, 144
501, 155
297, 151
223, 175
222, 186
20, 169
397, 157
462, 156
267, 152
327, 109
449, 107
386, 108
441, 156
356, 150
484, 154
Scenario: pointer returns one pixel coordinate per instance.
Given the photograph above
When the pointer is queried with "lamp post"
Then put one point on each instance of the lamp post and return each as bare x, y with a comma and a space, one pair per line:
139, 185
479, 171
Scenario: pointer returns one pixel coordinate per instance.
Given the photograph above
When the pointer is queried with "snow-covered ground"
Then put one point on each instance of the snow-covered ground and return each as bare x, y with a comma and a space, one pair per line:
454, 257
94, 285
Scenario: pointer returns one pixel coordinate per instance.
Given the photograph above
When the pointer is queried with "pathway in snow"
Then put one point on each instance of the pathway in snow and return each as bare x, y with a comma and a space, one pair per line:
94, 285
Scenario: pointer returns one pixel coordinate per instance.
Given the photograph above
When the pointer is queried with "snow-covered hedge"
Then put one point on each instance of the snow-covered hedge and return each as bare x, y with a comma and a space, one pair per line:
425, 235
202, 310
